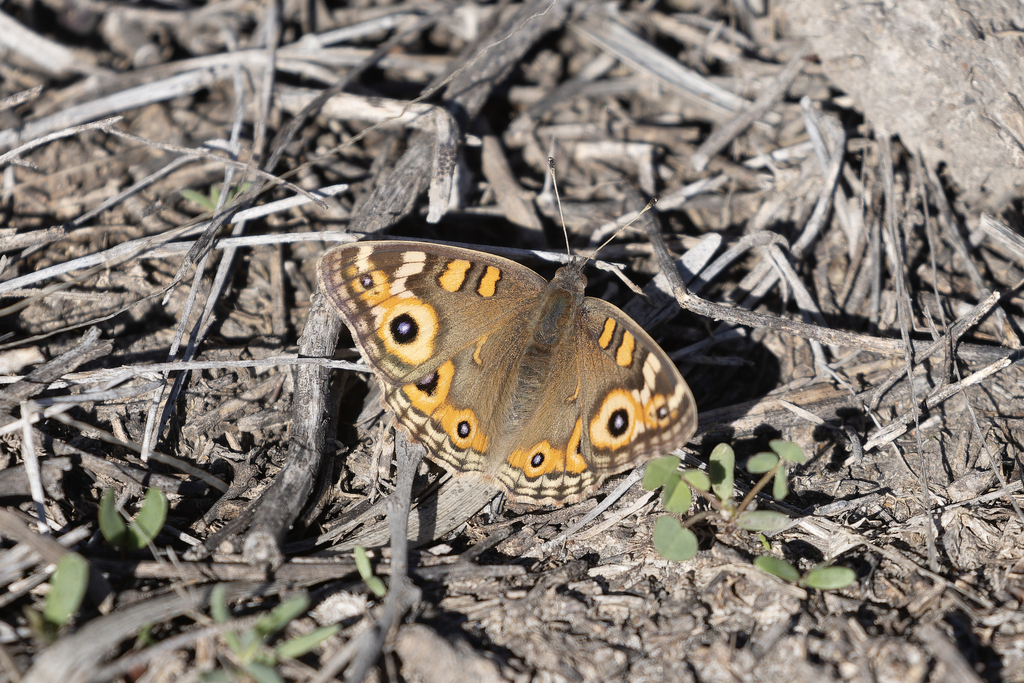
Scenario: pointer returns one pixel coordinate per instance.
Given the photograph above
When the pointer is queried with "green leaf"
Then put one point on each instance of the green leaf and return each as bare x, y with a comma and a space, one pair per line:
697, 480
780, 487
376, 585
239, 189
776, 567
677, 496
366, 572
363, 563
829, 578
262, 673
669, 486
672, 541
764, 542
294, 648
112, 526
218, 605
150, 520
762, 462
762, 520
200, 199
788, 450
67, 588
659, 470
721, 465
277, 618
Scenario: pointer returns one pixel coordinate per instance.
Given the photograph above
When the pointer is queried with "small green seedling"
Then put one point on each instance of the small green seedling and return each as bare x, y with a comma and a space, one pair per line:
253, 658
210, 202
142, 530
823, 576
673, 539
366, 572
67, 588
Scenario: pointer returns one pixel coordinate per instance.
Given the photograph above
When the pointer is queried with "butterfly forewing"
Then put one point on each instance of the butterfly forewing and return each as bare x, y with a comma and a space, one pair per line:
411, 308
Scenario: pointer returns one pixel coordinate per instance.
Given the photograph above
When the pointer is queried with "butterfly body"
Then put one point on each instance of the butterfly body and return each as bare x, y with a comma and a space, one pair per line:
497, 371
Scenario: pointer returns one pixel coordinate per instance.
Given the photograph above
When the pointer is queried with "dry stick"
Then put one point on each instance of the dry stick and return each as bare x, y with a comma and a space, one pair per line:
89, 348
739, 316
223, 269
604, 30
157, 247
944, 343
897, 263
153, 428
264, 176
831, 163
35, 480
13, 154
929, 231
725, 134
402, 594
280, 505
886, 434
762, 278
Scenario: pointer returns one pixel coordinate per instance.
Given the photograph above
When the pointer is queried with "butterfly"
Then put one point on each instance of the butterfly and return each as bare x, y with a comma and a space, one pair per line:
527, 383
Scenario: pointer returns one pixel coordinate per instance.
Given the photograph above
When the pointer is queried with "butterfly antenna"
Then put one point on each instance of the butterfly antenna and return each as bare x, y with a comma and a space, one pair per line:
558, 201
650, 205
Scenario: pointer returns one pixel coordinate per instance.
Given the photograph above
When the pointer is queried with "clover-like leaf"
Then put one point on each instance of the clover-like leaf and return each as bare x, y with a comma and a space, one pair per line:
829, 578
112, 525
780, 487
672, 541
659, 471
697, 480
762, 462
721, 466
150, 520
776, 567
677, 496
788, 450
762, 520
67, 588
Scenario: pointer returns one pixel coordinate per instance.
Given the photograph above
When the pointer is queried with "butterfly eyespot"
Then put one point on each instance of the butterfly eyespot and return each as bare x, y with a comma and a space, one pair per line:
462, 427
657, 412
430, 392
408, 328
366, 280
538, 460
404, 328
428, 385
615, 424
618, 423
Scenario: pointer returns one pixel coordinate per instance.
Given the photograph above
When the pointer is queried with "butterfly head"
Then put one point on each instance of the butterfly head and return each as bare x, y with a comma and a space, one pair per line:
570, 277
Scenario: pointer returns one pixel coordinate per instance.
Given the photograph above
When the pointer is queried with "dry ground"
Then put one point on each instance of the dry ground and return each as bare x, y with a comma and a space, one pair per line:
834, 256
